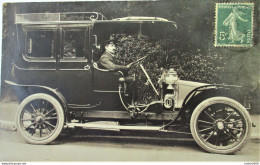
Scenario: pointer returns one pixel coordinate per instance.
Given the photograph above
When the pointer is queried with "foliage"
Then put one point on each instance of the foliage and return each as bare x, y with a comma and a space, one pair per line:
193, 66
196, 66
131, 48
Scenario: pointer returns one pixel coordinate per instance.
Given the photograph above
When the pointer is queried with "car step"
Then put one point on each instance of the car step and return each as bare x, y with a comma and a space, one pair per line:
110, 125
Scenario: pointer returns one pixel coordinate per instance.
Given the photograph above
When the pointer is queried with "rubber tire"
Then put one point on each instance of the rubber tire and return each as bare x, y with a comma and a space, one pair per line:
58, 109
230, 102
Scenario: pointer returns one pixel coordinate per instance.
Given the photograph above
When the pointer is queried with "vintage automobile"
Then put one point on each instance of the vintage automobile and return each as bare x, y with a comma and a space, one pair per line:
63, 87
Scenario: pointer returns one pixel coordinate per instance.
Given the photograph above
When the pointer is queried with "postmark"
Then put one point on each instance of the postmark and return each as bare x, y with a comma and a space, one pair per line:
234, 24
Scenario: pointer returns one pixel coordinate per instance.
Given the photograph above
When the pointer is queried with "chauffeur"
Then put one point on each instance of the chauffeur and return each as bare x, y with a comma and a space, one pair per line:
107, 60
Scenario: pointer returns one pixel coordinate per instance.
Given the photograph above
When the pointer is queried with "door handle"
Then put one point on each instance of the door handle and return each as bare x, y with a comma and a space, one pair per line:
86, 67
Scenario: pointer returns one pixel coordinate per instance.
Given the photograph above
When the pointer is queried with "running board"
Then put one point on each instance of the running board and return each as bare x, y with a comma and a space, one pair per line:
115, 127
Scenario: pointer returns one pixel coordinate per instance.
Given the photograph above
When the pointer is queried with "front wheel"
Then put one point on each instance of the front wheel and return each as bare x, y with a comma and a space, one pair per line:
40, 118
220, 125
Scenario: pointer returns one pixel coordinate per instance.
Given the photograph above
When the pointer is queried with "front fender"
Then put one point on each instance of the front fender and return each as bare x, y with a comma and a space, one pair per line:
189, 89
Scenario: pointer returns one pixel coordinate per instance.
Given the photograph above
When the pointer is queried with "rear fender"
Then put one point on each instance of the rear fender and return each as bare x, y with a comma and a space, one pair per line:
25, 90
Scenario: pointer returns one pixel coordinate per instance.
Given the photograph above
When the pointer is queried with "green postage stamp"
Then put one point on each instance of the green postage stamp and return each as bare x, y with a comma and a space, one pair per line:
234, 24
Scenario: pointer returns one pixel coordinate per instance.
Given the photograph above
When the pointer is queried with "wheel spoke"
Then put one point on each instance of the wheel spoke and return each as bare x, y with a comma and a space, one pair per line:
209, 136
229, 115
49, 111
33, 108
49, 124
202, 121
209, 116
50, 118
213, 113
29, 126
236, 129
206, 129
231, 135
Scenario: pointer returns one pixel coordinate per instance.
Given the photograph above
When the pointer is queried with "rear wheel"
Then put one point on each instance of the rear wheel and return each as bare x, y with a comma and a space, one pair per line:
40, 119
220, 125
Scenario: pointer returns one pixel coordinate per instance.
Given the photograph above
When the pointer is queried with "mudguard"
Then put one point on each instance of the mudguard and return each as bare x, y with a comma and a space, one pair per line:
53, 91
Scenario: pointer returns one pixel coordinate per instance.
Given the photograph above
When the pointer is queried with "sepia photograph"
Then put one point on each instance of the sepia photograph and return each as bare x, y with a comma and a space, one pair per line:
130, 81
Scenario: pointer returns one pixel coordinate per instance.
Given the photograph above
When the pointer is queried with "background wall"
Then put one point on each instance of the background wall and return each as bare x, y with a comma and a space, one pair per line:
196, 25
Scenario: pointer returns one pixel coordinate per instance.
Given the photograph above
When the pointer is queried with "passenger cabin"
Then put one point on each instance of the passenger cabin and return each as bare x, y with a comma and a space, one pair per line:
56, 51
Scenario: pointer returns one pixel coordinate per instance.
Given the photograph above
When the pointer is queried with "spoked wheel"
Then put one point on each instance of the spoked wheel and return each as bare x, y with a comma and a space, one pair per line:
220, 125
40, 119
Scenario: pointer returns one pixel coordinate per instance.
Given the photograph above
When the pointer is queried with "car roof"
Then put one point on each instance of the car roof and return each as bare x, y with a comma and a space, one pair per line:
132, 24
80, 18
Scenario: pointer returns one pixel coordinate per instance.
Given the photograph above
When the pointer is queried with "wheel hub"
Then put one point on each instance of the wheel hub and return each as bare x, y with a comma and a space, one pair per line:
220, 125
39, 119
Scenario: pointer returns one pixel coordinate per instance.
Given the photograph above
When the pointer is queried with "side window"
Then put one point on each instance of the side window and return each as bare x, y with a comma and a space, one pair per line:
40, 44
74, 42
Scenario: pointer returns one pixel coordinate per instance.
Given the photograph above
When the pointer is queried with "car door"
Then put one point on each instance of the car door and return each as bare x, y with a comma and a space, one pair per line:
73, 64
36, 64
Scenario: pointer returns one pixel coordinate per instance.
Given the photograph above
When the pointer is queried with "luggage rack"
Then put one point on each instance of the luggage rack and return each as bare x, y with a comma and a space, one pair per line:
142, 19
35, 18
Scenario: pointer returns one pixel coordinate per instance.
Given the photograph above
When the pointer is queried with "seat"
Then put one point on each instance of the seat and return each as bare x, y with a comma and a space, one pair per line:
122, 77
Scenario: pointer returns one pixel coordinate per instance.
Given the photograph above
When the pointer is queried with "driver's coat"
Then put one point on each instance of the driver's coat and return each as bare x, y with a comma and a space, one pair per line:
107, 61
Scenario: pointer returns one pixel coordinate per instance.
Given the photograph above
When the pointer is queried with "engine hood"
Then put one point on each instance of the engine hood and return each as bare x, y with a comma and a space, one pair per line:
191, 83
184, 88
